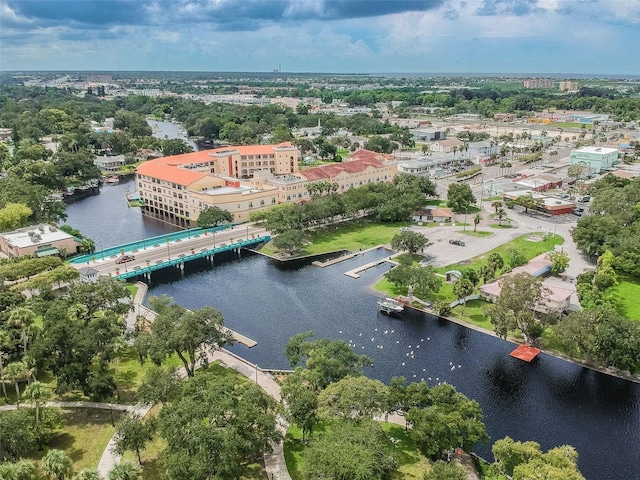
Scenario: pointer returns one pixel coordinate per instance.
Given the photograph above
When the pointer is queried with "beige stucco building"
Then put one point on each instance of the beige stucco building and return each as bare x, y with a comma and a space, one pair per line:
176, 189
38, 241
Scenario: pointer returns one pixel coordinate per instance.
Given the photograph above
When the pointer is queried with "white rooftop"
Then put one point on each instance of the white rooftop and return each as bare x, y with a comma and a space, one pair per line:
21, 238
593, 149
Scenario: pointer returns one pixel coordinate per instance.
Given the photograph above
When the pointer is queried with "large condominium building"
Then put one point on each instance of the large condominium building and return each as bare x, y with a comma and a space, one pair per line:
176, 189
538, 83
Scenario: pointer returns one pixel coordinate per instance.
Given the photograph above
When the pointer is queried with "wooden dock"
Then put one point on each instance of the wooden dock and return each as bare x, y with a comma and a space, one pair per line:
355, 273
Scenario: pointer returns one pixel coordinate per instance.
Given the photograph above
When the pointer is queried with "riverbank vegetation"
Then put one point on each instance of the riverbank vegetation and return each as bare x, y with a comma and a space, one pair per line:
339, 432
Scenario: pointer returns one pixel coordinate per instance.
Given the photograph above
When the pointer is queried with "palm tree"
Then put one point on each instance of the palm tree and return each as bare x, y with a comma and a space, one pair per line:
495, 261
497, 205
22, 317
16, 372
125, 471
88, 474
476, 220
501, 215
56, 465
463, 288
37, 392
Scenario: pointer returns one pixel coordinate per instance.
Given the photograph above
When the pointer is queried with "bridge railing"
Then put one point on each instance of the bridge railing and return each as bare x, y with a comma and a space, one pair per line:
185, 257
145, 243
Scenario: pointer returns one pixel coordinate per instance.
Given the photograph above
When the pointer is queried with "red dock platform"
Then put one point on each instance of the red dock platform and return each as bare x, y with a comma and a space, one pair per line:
525, 352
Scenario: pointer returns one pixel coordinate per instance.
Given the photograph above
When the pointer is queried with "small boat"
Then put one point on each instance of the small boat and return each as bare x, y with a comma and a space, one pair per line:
390, 305
113, 180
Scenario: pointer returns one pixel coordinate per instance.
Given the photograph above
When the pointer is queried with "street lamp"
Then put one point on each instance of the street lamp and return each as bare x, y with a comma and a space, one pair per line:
247, 232
168, 252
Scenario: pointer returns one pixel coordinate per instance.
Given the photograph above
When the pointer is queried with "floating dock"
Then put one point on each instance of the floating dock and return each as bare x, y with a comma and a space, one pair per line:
525, 352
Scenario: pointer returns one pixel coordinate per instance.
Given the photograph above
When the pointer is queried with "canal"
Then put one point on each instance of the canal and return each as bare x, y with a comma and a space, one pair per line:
550, 401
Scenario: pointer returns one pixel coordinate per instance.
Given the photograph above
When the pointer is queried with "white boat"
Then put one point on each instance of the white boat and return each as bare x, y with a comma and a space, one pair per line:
390, 305
113, 180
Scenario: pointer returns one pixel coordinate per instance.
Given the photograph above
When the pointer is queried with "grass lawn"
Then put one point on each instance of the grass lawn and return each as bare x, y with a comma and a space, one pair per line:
132, 289
411, 463
352, 235
474, 314
84, 436
500, 225
628, 291
478, 233
565, 125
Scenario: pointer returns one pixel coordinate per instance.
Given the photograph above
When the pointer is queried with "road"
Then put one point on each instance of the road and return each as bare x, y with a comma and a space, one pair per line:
154, 253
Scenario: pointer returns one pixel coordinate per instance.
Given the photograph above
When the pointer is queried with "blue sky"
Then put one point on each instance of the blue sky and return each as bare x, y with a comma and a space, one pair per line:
361, 36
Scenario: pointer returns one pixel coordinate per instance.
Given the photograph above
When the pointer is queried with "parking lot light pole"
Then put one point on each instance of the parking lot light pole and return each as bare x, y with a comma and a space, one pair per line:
464, 227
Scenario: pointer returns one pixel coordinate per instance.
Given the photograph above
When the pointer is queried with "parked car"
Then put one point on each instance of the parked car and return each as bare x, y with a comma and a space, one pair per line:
578, 211
459, 243
125, 258
584, 199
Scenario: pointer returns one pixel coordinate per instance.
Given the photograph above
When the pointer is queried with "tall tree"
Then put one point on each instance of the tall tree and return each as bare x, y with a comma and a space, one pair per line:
477, 218
87, 474
515, 308
132, 434
16, 372
213, 216
301, 401
409, 241
228, 420
460, 197
462, 289
188, 334
354, 398
38, 393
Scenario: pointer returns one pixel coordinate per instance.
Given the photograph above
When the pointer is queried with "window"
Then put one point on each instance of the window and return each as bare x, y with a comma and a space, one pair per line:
250, 204
261, 202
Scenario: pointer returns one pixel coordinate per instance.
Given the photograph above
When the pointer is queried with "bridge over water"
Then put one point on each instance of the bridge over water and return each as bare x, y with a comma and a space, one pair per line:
170, 250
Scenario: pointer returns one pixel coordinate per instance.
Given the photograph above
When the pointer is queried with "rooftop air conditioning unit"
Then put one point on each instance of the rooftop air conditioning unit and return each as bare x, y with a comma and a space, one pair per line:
53, 229
31, 233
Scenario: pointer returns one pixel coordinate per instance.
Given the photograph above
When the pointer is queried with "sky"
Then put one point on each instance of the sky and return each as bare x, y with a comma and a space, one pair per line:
333, 36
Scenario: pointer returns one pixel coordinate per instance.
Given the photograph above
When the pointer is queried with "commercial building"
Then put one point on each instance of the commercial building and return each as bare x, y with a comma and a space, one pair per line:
428, 135
569, 86
596, 158
176, 189
38, 241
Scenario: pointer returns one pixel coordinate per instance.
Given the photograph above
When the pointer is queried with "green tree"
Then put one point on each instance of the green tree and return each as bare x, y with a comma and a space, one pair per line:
409, 241
462, 289
497, 205
160, 384
358, 451
426, 283
501, 215
508, 454
353, 398
527, 202
450, 421
125, 471
516, 257
495, 261
445, 471
559, 262
281, 133
175, 146
13, 215
17, 372
213, 216
515, 308
56, 465
37, 393
228, 420
132, 434
291, 241
326, 360
460, 197
21, 470
87, 474
477, 218
23, 317
301, 401
188, 334
18, 438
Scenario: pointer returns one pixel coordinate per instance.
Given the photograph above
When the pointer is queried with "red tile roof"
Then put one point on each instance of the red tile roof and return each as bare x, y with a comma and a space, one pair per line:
180, 176
333, 170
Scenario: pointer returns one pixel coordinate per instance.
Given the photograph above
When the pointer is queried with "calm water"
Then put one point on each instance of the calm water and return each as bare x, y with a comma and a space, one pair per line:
550, 401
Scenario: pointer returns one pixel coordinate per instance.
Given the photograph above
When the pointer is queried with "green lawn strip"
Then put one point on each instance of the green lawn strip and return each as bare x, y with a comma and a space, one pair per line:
132, 289
411, 463
478, 233
474, 314
84, 436
353, 235
500, 225
628, 291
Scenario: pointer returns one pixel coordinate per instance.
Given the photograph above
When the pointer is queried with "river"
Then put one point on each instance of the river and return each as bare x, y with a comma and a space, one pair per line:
551, 401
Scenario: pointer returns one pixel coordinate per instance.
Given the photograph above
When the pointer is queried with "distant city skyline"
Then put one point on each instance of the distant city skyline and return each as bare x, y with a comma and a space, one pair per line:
596, 37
